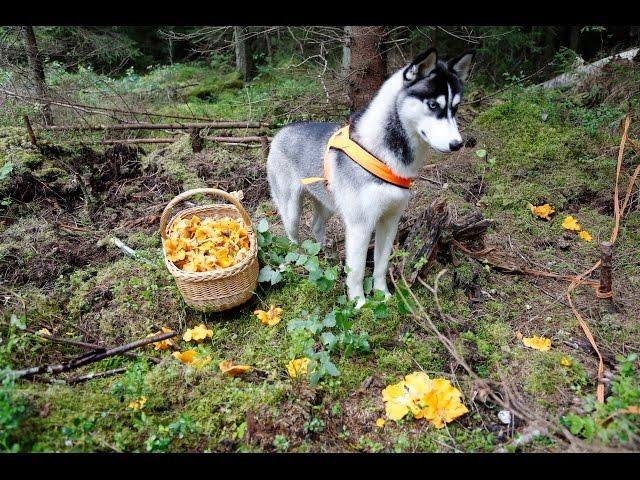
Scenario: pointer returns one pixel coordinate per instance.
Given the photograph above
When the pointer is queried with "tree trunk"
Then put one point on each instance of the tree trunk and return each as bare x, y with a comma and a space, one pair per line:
574, 38
367, 66
37, 70
550, 43
267, 42
243, 58
346, 52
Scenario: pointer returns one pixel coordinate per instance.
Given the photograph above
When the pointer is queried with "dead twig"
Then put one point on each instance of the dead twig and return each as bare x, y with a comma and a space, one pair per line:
88, 346
88, 358
91, 376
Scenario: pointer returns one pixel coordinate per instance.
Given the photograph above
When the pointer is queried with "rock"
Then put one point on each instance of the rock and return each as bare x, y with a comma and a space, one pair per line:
505, 416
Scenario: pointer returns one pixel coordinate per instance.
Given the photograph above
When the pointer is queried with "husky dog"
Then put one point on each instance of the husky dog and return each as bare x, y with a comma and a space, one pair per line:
415, 108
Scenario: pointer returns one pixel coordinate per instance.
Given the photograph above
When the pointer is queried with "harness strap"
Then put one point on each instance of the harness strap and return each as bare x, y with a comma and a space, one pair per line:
340, 140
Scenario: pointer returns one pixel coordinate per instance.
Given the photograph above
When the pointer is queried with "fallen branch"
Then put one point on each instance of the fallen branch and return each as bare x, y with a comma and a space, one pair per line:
126, 141
84, 107
91, 376
88, 346
236, 139
89, 358
154, 126
147, 220
244, 141
579, 74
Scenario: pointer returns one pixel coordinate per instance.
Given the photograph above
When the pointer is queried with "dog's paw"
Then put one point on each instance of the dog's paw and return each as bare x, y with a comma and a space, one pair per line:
360, 302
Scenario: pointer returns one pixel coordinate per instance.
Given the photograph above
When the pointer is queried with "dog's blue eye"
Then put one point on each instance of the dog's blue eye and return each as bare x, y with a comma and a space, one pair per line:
431, 104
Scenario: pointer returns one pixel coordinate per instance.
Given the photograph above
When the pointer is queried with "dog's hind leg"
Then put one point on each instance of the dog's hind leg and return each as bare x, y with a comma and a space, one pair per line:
320, 216
386, 229
291, 213
287, 198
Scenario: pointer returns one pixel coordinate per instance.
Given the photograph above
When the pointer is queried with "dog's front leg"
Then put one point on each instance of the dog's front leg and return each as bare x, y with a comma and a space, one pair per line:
356, 242
385, 235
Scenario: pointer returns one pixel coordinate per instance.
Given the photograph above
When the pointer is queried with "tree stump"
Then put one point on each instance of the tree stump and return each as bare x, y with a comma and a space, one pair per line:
433, 230
196, 140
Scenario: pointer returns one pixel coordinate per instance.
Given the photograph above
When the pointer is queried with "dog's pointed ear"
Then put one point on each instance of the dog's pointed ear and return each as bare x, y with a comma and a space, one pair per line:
461, 65
421, 66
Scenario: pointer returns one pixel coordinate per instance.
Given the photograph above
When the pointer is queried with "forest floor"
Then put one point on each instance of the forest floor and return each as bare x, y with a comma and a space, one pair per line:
59, 271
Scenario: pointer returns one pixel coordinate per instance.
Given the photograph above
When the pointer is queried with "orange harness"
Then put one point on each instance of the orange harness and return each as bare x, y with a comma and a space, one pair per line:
341, 141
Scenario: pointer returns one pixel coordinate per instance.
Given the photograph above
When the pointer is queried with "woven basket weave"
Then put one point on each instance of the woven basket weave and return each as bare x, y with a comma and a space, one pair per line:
216, 290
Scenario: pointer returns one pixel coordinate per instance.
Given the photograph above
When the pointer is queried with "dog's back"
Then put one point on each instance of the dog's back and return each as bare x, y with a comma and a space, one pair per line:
297, 149
297, 152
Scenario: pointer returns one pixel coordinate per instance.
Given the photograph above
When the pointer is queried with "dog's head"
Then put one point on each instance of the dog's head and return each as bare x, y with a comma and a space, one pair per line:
431, 93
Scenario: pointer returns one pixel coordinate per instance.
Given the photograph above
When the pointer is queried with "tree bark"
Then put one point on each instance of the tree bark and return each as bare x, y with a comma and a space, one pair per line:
574, 38
37, 70
243, 57
346, 51
550, 43
367, 65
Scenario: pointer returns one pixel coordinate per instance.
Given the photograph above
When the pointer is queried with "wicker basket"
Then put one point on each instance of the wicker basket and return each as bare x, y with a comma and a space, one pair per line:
216, 290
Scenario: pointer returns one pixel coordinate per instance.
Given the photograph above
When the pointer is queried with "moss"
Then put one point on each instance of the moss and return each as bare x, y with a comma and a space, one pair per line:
125, 300
211, 87
16, 150
173, 161
546, 375
144, 241
539, 156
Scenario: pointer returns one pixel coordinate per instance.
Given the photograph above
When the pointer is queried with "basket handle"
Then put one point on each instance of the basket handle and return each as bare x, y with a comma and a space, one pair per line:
196, 191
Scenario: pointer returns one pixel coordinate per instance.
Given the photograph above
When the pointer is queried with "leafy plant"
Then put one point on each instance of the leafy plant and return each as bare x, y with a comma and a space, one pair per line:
314, 425
131, 384
281, 443
334, 333
279, 256
160, 441
12, 411
618, 419
5, 170
79, 435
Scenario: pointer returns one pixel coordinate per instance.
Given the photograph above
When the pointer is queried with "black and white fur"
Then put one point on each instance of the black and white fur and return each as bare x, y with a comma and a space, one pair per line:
415, 108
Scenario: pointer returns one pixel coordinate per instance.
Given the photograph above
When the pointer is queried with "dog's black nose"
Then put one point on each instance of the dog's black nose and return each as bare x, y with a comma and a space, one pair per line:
455, 145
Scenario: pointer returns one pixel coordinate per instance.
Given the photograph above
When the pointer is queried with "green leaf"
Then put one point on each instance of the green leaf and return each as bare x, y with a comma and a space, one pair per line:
6, 170
310, 247
17, 322
380, 310
302, 259
331, 368
265, 274
323, 284
481, 153
263, 225
329, 340
315, 377
291, 257
296, 324
312, 264
367, 285
329, 320
276, 276
315, 276
331, 273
